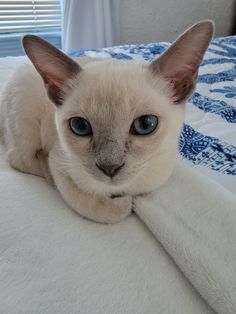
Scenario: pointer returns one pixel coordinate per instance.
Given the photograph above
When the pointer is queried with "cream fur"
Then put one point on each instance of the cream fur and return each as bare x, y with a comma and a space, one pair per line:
29, 127
110, 94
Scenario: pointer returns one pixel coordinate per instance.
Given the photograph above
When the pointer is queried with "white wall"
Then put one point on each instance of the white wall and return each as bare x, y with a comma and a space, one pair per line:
163, 20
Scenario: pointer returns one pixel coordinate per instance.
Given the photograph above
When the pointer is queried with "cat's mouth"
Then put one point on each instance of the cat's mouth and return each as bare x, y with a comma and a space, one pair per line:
117, 195
112, 180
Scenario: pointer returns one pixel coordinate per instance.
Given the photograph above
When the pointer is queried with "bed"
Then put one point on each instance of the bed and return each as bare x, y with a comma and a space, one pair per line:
173, 255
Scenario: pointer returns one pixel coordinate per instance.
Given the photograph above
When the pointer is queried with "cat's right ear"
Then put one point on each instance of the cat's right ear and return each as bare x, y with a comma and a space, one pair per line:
54, 66
180, 63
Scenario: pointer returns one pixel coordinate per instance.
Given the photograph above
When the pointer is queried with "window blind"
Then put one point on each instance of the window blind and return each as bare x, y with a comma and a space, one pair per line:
29, 15
17, 18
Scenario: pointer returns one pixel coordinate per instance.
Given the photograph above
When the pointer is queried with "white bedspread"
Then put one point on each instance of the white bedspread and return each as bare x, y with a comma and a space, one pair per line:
53, 261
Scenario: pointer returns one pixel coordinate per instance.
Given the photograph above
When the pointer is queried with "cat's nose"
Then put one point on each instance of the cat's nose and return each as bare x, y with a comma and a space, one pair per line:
109, 170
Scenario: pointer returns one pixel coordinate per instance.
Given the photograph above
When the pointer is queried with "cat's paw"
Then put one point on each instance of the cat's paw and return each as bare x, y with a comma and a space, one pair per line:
113, 210
122, 208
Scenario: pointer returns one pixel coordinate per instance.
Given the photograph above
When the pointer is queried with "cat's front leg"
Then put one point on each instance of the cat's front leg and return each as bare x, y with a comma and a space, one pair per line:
96, 208
42, 158
35, 163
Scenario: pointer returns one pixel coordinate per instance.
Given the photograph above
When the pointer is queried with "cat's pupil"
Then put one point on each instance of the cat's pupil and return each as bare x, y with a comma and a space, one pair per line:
81, 124
145, 123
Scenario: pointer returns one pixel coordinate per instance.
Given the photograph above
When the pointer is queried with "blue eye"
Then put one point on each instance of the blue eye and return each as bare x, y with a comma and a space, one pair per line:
80, 126
144, 125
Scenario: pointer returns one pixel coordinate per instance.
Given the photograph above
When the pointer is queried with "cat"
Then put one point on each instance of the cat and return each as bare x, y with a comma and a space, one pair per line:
102, 131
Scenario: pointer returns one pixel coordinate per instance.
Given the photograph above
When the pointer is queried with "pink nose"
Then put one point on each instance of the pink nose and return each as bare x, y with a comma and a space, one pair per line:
109, 170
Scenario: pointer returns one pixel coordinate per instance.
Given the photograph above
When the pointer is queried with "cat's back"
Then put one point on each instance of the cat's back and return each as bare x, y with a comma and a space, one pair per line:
24, 102
25, 89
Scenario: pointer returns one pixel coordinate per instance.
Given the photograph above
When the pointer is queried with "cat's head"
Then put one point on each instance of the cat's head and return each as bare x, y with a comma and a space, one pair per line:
118, 122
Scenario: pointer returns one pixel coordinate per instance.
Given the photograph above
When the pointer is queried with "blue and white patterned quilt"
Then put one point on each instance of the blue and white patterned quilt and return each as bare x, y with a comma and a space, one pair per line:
208, 138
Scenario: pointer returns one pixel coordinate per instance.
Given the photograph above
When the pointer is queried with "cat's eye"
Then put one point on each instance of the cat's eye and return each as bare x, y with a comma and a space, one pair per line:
144, 125
80, 126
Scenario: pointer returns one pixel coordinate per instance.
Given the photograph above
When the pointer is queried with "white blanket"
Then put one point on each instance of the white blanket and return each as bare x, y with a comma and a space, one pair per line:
53, 261
194, 219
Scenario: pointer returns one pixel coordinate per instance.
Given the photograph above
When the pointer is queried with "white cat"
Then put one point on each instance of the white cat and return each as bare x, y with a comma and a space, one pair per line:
108, 130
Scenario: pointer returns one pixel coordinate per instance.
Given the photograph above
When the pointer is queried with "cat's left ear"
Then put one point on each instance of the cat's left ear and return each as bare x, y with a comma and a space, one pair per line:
54, 66
180, 63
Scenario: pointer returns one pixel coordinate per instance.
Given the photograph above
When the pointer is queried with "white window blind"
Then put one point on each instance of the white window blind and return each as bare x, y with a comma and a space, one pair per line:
23, 16
40, 17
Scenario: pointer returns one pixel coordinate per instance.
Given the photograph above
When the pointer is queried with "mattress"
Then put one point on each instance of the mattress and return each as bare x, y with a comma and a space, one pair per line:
52, 260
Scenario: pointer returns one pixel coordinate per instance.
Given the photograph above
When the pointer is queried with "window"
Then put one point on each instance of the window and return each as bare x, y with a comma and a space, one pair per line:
17, 18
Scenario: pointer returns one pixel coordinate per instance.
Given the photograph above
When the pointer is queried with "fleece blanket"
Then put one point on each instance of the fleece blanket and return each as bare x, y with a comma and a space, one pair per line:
52, 260
194, 219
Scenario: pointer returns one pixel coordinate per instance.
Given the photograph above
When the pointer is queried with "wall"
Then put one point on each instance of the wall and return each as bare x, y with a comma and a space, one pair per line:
163, 20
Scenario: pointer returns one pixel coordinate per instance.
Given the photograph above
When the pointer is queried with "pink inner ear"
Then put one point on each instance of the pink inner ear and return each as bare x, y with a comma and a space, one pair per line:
181, 89
51, 79
55, 93
55, 73
182, 85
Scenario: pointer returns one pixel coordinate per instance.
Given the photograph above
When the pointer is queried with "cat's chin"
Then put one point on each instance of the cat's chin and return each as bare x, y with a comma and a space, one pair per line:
104, 186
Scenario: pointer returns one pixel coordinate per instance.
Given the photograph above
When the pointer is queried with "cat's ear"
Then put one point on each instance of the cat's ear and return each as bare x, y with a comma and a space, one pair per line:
180, 63
53, 65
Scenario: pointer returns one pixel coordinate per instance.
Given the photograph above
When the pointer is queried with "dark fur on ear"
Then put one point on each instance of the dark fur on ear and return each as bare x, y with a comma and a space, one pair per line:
53, 65
180, 63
